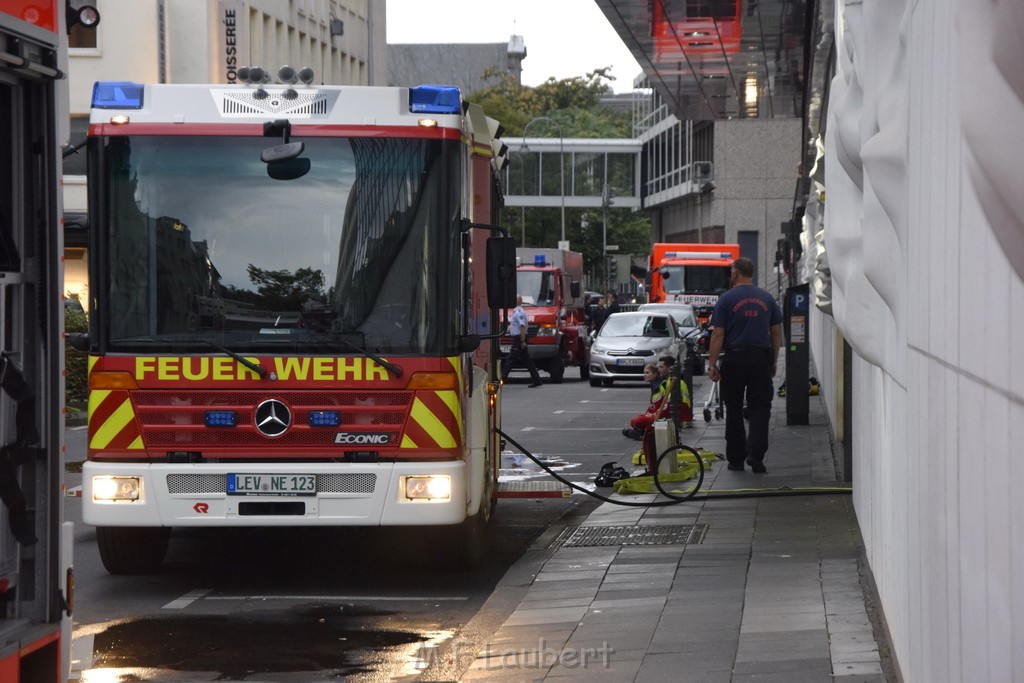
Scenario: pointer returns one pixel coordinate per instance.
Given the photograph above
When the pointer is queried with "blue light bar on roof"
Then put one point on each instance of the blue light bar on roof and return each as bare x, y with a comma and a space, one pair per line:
435, 99
538, 260
117, 95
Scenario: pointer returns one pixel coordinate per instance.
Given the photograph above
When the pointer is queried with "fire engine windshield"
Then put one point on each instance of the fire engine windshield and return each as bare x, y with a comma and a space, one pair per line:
695, 279
536, 287
201, 245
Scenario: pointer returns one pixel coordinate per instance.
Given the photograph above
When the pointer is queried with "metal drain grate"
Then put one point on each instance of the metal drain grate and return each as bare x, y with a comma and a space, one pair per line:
666, 534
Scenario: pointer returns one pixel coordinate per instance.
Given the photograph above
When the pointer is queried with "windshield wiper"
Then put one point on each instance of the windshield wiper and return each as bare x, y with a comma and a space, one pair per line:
255, 367
387, 365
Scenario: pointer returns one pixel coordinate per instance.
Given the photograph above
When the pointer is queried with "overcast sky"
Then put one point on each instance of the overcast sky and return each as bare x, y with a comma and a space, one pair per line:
564, 38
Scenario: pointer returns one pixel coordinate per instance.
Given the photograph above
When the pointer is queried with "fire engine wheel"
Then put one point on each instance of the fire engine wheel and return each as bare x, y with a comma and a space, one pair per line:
462, 545
557, 368
132, 550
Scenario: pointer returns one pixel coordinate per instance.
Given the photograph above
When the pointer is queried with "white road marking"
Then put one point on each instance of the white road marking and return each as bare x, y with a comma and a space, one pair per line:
571, 429
187, 599
559, 412
356, 598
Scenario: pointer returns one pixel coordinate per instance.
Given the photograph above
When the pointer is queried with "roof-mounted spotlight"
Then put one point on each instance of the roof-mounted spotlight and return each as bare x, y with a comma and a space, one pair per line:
259, 76
85, 16
306, 75
286, 74
242, 74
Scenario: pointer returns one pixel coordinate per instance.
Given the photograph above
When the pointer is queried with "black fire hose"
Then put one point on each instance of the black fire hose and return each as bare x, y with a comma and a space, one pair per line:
675, 499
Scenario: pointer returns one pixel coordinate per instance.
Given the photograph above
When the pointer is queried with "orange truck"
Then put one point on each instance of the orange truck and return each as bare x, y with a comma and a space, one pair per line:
36, 578
551, 284
691, 273
296, 292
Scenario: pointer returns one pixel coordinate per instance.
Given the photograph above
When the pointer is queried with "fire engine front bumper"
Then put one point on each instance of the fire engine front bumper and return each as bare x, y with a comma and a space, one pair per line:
250, 494
539, 348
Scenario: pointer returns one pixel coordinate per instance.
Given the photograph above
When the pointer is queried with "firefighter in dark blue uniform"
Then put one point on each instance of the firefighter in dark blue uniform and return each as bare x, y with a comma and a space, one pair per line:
747, 324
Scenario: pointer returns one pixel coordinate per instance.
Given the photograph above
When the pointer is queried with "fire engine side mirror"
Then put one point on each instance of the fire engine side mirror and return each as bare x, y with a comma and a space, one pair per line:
78, 340
469, 343
501, 272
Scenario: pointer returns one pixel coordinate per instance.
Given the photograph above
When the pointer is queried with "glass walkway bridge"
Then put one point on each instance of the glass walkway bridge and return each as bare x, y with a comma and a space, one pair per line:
572, 172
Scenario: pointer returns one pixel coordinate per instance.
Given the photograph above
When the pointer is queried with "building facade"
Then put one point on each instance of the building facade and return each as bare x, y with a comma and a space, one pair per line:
908, 161
728, 181
913, 241
470, 66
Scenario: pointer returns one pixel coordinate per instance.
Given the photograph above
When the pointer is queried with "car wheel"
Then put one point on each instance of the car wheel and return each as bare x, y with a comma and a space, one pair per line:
556, 368
607, 382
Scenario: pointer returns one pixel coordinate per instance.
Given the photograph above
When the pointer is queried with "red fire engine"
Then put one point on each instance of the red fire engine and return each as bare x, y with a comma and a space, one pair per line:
36, 582
294, 295
691, 273
551, 284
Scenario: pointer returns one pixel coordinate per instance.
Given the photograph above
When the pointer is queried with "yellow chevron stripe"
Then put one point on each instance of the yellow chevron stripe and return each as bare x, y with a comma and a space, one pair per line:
136, 445
456, 362
117, 421
92, 362
451, 399
407, 442
96, 399
431, 425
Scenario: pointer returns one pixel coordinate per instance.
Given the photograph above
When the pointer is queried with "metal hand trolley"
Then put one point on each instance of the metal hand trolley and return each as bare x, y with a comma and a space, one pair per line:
714, 399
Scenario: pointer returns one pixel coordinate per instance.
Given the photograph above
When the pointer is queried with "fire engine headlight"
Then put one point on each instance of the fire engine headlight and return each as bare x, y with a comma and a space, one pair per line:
546, 331
116, 488
428, 487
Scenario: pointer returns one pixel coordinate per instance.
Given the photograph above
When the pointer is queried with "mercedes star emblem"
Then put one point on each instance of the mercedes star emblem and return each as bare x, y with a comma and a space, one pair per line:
272, 418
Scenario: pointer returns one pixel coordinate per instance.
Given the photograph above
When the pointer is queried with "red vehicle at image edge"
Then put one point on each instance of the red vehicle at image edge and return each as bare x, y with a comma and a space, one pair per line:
36, 579
550, 282
691, 273
295, 292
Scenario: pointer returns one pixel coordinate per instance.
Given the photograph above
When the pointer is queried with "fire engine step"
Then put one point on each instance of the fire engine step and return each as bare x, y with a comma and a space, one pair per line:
532, 489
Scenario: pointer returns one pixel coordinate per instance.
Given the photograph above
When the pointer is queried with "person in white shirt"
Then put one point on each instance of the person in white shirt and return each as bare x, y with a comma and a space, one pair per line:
520, 353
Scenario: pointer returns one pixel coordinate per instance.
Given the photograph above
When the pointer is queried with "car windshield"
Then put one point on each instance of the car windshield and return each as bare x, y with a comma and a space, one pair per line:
201, 244
682, 316
536, 287
636, 326
695, 279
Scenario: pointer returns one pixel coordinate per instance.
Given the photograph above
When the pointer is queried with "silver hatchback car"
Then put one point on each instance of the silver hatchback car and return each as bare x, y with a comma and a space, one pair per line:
628, 341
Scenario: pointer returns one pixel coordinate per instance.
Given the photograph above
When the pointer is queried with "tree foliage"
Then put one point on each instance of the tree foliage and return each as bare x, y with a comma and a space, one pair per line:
574, 103
76, 384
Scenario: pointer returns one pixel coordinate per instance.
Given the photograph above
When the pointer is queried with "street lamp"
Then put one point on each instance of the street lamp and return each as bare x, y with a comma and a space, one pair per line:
561, 159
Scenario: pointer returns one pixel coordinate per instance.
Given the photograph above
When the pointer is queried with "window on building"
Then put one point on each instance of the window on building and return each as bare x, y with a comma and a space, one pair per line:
75, 164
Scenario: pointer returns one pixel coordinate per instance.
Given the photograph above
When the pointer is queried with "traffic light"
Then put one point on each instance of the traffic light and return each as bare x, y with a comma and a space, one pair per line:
613, 268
